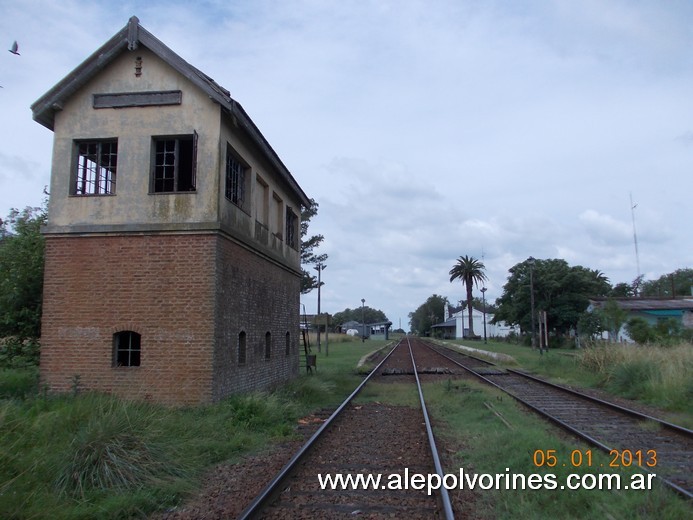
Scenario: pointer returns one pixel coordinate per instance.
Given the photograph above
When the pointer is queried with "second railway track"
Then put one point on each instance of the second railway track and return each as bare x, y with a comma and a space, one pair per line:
631, 438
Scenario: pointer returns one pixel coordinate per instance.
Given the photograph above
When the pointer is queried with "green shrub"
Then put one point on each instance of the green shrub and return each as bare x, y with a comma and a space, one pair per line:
19, 353
15, 383
640, 331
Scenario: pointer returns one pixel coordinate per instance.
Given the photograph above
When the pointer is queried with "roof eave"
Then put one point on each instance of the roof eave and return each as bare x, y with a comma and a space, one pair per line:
43, 109
129, 38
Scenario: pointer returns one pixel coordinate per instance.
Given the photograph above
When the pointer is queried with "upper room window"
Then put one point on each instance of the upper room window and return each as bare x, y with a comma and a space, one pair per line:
97, 162
174, 161
291, 228
237, 178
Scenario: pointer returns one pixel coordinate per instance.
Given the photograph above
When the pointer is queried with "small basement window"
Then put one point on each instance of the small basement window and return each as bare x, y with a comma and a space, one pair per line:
97, 162
175, 165
126, 349
268, 345
241, 348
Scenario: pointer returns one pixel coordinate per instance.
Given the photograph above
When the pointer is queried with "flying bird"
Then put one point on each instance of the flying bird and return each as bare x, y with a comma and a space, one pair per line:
14, 48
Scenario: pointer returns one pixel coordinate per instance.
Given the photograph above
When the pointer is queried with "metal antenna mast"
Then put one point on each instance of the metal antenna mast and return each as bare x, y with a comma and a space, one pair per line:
635, 236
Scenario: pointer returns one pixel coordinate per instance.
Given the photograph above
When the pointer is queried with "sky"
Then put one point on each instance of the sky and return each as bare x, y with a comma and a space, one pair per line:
425, 129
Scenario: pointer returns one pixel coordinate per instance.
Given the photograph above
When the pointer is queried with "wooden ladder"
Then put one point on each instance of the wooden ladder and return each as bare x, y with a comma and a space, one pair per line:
309, 358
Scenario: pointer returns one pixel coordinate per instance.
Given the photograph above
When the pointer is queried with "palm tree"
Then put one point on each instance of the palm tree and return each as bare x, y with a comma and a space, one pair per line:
470, 271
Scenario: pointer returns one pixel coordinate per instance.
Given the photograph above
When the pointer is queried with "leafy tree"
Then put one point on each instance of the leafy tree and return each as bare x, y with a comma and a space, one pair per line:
678, 283
613, 317
590, 325
21, 272
308, 245
428, 314
358, 314
471, 272
478, 303
560, 290
622, 290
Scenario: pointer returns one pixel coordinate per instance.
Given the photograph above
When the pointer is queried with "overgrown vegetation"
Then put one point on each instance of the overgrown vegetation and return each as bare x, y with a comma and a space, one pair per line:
87, 455
654, 374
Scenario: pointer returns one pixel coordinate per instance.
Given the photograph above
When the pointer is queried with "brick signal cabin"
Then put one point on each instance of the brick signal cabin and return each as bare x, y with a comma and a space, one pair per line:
173, 239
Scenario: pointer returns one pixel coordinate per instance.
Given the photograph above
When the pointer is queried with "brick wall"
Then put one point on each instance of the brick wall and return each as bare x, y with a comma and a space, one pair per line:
188, 296
254, 296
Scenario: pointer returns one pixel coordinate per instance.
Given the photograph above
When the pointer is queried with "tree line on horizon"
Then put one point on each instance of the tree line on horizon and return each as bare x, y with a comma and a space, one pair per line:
563, 291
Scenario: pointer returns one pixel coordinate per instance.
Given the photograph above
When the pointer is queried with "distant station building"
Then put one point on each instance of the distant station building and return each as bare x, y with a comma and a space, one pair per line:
456, 324
652, 310
378, 330
173, 239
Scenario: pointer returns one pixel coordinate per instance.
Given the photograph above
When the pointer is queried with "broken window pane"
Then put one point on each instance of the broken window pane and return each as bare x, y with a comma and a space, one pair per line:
174, 164
235, 179
96, 168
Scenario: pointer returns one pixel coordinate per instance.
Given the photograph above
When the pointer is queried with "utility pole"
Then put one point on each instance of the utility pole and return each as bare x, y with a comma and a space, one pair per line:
530, 262
319, 269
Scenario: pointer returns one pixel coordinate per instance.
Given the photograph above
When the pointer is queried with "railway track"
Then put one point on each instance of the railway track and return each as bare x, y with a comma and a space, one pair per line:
368, 439
631, 438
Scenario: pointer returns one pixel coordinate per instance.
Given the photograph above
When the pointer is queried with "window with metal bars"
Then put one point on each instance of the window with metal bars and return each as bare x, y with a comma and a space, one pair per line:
127, 349
97, 162
291, 228
175, 166
236, 179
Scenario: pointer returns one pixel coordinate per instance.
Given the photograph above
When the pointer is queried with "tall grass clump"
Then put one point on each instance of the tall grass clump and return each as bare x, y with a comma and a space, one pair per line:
114, 450
308, 390
62, 457
655, 374
259, 409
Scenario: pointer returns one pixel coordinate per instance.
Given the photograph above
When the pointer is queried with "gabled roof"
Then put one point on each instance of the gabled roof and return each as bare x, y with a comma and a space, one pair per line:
646, 304
130, 38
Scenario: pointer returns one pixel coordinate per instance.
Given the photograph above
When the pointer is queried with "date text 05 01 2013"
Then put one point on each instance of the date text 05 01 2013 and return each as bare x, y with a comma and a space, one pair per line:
583, 458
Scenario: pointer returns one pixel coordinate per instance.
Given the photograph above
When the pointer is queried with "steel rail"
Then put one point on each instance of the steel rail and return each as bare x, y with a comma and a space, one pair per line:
268, 492
445, 497
591, 440
676, 427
